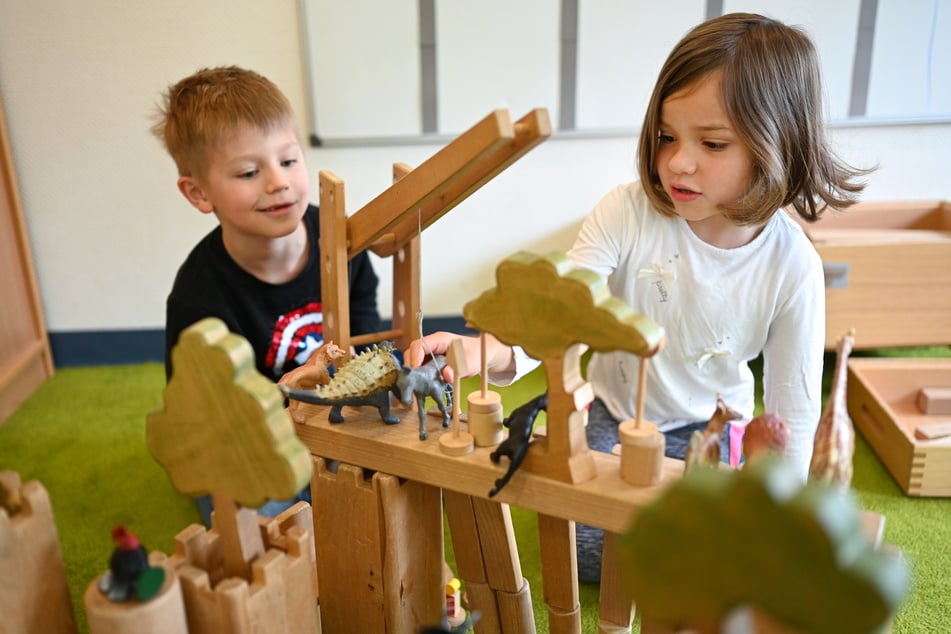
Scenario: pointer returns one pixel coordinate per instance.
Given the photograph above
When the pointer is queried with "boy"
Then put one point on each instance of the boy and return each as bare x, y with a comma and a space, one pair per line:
234, 139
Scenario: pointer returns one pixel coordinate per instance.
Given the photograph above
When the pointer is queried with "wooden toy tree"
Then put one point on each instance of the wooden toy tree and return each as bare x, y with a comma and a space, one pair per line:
799, 559
224, 431
552, 308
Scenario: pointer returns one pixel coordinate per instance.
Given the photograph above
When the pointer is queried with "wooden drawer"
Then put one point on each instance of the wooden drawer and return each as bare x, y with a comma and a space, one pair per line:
888, 267
883, 403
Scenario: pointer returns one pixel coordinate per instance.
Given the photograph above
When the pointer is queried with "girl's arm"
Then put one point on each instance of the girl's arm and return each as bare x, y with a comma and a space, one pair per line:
792, 367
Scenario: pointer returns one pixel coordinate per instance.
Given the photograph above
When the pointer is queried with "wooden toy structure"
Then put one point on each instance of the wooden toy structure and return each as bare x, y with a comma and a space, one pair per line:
248, 573
38, 600
389, 225
374, 537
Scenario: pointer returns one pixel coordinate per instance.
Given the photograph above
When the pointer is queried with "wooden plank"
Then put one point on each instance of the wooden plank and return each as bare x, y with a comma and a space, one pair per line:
605, 500
25, 356
406, 276
559, 563
351, 579
413, 553
404, 197
616, 610
334, 282
530, 130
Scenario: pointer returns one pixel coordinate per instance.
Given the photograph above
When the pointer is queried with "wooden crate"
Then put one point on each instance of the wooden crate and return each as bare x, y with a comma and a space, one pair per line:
883, 404
886, 267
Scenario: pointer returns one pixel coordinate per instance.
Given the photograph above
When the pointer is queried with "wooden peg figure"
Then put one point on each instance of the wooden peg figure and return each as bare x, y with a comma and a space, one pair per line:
456, 442
642, 445
485, 410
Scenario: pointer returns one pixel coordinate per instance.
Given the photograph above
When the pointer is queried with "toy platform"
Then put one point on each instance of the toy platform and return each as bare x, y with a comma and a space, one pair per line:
886, 269
883, 401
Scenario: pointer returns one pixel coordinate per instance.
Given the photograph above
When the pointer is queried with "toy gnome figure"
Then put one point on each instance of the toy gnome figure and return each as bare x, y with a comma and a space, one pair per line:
130, 575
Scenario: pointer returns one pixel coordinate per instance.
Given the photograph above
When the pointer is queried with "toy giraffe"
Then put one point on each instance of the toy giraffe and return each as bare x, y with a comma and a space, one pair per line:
835, 436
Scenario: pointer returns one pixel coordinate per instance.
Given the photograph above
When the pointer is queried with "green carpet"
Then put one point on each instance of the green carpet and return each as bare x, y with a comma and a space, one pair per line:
82, 436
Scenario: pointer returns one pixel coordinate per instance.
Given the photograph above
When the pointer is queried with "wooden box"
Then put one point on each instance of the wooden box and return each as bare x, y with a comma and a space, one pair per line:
883, 404
886, 266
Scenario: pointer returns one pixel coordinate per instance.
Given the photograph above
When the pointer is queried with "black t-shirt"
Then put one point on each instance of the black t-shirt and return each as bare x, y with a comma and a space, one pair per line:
282, 322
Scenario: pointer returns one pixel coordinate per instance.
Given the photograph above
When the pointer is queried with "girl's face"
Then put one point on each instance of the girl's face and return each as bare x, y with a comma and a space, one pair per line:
702, 163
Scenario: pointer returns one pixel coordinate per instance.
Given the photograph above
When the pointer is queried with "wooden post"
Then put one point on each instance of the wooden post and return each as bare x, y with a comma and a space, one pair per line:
457, 442
406, 272
559, 557
334, 283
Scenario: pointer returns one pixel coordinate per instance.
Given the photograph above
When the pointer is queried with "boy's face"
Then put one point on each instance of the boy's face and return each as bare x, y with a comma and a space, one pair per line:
256, 182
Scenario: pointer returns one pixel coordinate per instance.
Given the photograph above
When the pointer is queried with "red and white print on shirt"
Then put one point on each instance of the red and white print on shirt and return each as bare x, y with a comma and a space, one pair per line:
297, 335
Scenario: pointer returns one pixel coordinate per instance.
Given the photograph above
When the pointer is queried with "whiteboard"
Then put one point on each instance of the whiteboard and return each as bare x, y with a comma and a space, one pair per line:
378, 68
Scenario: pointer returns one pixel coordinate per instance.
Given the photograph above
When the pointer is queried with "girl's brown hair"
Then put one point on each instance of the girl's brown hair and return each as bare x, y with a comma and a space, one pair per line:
199, 110
772, 92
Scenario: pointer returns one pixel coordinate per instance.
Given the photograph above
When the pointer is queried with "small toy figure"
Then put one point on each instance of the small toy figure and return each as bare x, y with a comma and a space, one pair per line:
704, 447
519, 424
130, 574
835, 436
313, 373
367, 379
765, 434
426, 380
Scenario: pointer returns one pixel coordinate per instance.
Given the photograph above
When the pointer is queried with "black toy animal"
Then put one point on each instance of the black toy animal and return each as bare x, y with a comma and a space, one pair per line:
519, 423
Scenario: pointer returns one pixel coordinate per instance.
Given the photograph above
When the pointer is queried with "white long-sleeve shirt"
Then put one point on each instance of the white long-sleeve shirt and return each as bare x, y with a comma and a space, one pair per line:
720, 308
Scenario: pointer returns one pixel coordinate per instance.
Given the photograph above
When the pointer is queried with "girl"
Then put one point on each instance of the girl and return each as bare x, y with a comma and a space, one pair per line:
702, 244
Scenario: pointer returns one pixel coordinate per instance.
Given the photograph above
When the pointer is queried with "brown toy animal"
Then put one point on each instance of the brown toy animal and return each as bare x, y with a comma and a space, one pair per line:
313, 373
835, 436
767, 434
704, 447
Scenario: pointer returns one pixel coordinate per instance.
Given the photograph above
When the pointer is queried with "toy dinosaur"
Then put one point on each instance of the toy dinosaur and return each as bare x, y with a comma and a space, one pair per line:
368, 379
704, 447
519, 424
426, 380
314, 372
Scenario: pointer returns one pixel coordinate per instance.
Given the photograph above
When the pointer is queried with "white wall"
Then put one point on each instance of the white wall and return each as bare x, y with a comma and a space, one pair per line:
79, 81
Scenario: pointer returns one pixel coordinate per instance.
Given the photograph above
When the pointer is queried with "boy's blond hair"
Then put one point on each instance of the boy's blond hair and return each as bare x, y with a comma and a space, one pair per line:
201, 108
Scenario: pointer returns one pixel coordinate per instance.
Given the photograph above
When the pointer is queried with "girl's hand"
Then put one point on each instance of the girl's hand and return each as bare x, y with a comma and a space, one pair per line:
500, 357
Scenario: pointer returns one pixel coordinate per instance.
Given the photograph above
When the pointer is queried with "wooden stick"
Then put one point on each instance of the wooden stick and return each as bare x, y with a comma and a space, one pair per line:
484, 370
641, 388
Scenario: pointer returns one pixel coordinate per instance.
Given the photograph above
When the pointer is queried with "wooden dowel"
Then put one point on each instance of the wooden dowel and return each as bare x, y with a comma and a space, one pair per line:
484, 371
376, 337
641, 388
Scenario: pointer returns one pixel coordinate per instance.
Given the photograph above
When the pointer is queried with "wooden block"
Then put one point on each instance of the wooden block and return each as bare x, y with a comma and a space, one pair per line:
935, 400
34, 595
616, 609
933, 431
